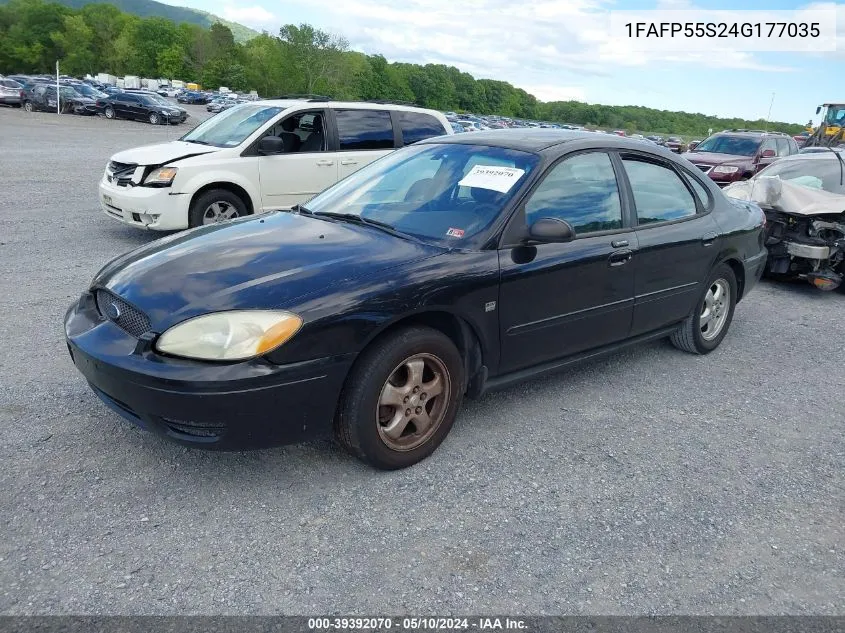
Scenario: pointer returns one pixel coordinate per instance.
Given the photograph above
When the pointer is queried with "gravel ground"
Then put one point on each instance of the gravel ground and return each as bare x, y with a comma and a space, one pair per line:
650, 482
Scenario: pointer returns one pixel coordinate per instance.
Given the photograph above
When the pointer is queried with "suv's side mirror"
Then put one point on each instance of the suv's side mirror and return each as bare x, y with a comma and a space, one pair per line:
767, 153
271, 145
551, 230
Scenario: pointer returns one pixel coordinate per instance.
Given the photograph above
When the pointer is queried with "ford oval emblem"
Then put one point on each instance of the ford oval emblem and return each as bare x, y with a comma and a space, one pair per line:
112, 311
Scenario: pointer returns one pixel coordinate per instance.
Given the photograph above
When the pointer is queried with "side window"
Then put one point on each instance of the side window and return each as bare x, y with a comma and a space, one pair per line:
417, 126
364, 129
581, 190
659, 193
769, 143
302, 132
782, 147
700, 192
129, 98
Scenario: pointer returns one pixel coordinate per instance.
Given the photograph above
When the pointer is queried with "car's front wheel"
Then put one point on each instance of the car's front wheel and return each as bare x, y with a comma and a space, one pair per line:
401, 398
707, 326
27, 105
155, 119
216, 205
109, 112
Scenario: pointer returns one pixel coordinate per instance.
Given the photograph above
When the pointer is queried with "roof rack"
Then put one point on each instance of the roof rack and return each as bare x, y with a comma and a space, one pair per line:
309, 97
390, 102
756, 131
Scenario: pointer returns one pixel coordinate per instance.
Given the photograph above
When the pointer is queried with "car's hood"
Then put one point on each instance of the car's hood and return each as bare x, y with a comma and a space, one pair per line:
799, 196
714, 158
161, 153
82, 100
265, 261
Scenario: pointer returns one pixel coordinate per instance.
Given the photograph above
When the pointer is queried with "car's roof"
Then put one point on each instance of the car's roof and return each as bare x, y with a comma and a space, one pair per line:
361, 105
539, 139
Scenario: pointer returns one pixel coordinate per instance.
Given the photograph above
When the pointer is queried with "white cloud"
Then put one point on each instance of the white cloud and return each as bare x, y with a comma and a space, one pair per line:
553, 92
255, 16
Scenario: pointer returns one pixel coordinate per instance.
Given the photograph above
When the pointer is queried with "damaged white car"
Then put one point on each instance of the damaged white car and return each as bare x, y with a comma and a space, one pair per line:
803, 197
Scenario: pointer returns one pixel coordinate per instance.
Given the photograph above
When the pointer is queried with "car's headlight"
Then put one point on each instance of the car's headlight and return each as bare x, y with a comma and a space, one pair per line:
725, 169
162, 176
234, 335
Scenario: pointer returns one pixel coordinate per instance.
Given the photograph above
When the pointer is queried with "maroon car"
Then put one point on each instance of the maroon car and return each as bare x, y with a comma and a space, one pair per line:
676, 144
737, 155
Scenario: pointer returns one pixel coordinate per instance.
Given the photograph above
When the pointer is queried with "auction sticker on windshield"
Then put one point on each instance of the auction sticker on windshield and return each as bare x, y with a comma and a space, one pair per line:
455, 233
492, 177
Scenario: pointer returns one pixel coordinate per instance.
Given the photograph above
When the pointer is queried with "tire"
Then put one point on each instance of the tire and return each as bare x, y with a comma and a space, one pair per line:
229, 203
362, 424
690, 336
27, 105
109, 112
154, 118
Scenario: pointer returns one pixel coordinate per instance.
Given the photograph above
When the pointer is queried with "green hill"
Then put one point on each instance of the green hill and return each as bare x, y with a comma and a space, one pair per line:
151, 8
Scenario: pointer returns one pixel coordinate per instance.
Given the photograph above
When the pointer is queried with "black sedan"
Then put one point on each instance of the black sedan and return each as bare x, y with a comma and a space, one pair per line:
450, 267
141, 107
41, 96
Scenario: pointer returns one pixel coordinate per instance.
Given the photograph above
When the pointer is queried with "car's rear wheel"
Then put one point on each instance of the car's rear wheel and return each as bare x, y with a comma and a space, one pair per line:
707, 326
216, 205
27, 105
155, 119
109, 112
401, 398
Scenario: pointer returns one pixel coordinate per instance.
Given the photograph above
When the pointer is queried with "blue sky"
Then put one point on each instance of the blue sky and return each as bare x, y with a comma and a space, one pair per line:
561, 49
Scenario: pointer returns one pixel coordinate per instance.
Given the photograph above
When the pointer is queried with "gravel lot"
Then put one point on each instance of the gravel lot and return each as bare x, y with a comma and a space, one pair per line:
648, 482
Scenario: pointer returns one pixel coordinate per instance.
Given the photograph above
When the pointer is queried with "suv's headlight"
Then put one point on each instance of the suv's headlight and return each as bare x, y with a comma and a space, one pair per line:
234, 335
162, 176
725, 169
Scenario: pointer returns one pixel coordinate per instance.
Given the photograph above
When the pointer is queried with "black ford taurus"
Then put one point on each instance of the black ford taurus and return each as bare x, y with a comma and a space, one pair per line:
453, 266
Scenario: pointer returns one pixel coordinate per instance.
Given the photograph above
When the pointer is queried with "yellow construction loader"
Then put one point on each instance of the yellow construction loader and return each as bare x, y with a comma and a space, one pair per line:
831, 129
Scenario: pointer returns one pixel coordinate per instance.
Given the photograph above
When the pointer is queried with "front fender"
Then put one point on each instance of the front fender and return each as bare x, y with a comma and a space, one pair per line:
204, 178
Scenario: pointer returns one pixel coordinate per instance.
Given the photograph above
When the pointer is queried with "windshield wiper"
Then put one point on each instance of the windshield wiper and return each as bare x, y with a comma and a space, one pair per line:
197, 142
357, 219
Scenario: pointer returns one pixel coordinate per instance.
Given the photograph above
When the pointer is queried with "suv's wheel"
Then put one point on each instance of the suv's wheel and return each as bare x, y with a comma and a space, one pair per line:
705, 328
401, 398
155, 119
109, 112
27, 105
216, 205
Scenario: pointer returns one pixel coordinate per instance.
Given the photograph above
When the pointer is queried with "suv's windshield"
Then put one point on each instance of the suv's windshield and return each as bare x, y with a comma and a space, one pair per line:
815, 173
231, 127
738, 145
442, 193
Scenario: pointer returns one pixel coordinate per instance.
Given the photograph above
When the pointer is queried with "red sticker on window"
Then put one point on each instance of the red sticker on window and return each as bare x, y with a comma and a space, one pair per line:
455, 232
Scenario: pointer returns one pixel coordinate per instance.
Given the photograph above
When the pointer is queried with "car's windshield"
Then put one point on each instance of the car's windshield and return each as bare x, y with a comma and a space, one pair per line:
441, 193
231, 127
814, 173
67, 91
737, 145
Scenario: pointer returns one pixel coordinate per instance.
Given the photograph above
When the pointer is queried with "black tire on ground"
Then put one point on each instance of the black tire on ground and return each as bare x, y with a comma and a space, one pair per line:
215, 196
154, 117
27, 105
357, 425
689, 336
109, 112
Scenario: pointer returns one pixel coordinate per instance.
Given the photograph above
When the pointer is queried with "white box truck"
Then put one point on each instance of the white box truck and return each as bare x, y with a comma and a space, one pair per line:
131, 81
105, 78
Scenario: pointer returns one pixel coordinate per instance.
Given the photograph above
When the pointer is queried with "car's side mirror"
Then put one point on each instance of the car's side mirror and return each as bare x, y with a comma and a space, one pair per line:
767, 153
551, 230
271, 145
692, 146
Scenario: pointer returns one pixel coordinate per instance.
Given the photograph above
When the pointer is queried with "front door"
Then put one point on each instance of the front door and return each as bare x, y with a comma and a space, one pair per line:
305, 169
561, 299
363, 136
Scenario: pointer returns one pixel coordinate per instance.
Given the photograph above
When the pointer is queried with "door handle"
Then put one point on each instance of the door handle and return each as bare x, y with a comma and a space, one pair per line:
620, 258
349, 162
709, 239
619, 243
325, 163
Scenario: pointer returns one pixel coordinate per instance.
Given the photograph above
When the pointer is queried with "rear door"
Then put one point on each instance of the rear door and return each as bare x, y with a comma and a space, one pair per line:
363, 135
417, 126
677, 239
306, 169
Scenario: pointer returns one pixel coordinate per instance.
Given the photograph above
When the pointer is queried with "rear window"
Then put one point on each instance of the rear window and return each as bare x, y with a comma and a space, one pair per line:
364, 129
417, 126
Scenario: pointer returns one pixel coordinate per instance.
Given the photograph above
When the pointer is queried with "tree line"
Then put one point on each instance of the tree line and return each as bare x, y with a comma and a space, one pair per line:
299, 59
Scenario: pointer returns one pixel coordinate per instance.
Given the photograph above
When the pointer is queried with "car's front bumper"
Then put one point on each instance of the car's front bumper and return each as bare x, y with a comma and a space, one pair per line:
223, 406
156, 208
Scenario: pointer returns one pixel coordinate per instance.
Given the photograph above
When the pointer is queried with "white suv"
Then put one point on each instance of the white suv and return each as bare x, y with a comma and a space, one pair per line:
255, 157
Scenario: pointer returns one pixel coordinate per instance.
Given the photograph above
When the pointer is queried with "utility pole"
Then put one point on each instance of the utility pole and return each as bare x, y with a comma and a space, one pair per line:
58, 92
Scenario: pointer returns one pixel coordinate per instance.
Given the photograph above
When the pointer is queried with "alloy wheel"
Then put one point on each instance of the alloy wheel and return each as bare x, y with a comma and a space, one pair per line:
413, 402
219, 211
714, 314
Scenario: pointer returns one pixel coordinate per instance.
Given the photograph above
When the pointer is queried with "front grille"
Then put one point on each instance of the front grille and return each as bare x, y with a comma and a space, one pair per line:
126, 316
121, 173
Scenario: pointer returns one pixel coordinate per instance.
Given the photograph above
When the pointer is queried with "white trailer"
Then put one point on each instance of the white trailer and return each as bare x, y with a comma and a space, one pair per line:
131, 81
105, 78
177, 83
